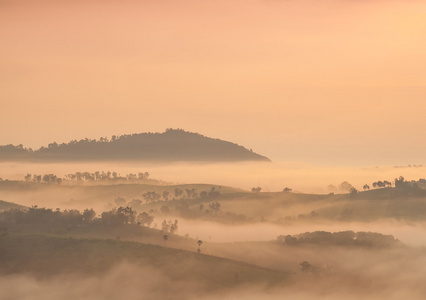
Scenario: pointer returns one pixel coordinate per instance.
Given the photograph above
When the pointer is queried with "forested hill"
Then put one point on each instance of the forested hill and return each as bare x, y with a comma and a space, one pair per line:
171, 145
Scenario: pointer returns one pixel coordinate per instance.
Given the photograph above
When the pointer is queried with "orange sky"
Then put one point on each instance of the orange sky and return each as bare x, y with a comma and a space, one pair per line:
332, 81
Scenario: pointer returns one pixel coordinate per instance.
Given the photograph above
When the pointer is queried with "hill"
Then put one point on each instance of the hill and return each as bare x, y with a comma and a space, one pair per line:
171, 145
47, 256
4, 205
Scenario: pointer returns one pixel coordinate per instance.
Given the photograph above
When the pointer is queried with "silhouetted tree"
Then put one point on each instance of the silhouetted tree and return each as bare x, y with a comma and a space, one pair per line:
165, 226
88, 215
129, 213
306, 267
213, 192
353, 192
173, 227
256, 189
345, 186
214, 206
178, 192
36, 178
145, 219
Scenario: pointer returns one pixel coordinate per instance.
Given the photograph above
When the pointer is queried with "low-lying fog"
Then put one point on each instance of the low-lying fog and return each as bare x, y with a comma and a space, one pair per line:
356, 273
409, 234
270, 176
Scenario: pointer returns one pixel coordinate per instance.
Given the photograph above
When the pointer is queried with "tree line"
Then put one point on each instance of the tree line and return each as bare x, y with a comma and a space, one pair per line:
72, 218
342, 238
98, 176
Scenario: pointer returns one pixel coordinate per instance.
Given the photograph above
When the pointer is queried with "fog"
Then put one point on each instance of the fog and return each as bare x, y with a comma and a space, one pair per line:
225, 243
409, 234
331, 91
124, 281
273, 176
367, 275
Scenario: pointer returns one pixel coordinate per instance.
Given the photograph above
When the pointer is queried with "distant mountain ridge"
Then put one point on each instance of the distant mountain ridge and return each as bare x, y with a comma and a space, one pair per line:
171, 145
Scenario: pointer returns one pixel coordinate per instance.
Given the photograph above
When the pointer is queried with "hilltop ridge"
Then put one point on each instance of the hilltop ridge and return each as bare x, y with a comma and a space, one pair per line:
171, 145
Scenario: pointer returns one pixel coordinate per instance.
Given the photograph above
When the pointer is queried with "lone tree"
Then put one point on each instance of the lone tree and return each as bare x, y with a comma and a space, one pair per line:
199, 242
287, 190
165, 238
256, 189
306, 266
366, 187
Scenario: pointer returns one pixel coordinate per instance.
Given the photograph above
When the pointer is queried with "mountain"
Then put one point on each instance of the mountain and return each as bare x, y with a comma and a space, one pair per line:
171, 145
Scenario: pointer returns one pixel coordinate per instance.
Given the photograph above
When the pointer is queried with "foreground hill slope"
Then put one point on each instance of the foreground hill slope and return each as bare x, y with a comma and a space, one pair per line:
171, 145
42, 255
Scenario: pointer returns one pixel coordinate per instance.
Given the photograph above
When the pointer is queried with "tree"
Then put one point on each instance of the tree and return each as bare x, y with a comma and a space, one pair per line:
214, 206
387, 183
50, 178
213, 192
366, 187
129, 213
191, 193
199, 242
114, 218
88, 215
164, 226
306, 267
345, 186
173, 227
399, 182
145, 219
287, 190
256, 189
178, 193
169, 226
352, 192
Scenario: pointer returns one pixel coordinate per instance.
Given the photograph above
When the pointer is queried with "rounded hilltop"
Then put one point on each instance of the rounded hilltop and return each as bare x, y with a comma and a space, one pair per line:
170, 145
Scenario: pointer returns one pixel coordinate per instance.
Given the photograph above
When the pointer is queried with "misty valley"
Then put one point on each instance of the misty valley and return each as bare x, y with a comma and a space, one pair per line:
204, 150
105, 235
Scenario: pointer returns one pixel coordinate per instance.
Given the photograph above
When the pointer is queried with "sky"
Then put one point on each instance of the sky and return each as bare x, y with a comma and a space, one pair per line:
331, 82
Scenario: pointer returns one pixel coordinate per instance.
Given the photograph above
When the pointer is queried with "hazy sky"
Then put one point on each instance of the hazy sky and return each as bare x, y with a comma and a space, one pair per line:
323, 81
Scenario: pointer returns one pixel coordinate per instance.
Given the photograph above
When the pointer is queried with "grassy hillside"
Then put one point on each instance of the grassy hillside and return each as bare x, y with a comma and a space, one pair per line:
4, 205
223, 204
43, 255
99, 197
